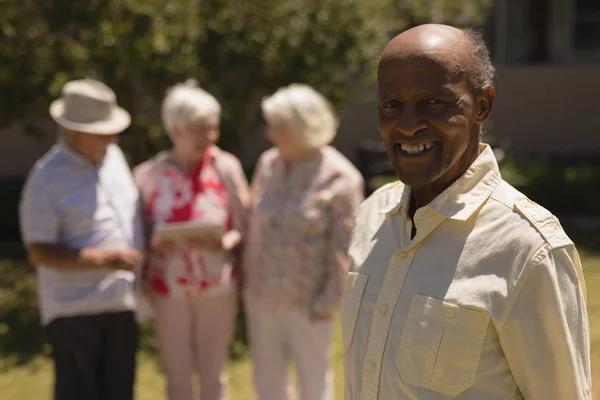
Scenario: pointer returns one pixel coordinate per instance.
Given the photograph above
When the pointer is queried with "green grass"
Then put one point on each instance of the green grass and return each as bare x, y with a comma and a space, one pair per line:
26, 369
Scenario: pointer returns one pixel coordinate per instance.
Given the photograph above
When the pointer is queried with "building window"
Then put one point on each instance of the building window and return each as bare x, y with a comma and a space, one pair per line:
526, 31
587, 25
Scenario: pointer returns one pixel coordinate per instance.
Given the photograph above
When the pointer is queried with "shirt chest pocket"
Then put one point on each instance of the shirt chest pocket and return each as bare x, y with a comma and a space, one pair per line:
355, 286
441, 345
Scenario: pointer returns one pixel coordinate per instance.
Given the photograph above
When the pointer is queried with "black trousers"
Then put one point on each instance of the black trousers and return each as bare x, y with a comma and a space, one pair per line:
94, 356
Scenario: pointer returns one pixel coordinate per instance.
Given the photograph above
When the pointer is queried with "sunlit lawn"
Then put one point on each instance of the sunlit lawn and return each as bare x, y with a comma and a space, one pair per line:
25, 373
26, 369
33, 380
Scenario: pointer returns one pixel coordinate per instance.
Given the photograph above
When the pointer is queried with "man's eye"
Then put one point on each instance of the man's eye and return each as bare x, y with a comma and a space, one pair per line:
391, 104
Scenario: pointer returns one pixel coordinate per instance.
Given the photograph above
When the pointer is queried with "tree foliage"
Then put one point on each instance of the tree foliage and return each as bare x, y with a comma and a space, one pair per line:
238, 50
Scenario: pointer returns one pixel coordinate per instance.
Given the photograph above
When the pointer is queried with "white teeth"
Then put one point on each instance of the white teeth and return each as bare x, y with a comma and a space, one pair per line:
417, 148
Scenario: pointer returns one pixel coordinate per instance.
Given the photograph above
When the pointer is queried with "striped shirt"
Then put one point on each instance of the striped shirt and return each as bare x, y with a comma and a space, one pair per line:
70, 202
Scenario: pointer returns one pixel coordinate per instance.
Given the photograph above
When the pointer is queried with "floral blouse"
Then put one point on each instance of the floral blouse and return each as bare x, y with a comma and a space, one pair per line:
299, 230
172, 196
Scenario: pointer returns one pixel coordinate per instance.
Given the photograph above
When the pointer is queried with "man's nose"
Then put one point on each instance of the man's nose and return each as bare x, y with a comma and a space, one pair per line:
410, 121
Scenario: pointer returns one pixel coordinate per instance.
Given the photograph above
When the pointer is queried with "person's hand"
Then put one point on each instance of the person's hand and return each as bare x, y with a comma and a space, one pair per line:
231, 240
162, 248
126, 259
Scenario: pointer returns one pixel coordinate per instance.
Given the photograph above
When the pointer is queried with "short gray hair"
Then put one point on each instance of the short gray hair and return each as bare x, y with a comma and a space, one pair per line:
483, 72
309, 115
186, 103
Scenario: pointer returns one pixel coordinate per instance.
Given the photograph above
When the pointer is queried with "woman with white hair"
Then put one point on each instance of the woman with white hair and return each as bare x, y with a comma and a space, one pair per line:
192, 283
304, 196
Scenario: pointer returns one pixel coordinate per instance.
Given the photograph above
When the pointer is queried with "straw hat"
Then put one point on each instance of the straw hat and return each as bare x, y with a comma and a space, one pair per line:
89, 106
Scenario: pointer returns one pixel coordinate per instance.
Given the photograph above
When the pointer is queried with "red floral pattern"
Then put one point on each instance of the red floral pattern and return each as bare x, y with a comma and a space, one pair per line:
178, 197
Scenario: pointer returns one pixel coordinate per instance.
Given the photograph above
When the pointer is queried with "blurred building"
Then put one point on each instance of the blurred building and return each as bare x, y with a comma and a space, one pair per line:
547, 54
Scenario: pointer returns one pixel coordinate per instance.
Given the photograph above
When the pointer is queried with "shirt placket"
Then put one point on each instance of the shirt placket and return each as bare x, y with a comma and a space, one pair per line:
393, 283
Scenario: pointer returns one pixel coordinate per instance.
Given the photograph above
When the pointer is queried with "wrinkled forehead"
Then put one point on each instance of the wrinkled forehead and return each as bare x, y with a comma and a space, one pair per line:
426, 72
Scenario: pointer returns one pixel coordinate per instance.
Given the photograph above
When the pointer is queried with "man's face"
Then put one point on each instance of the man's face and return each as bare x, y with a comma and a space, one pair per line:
92, 147
428, 119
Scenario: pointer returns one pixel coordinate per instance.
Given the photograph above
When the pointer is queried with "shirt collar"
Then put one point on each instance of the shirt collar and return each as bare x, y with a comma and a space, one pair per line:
398, 202
463, 197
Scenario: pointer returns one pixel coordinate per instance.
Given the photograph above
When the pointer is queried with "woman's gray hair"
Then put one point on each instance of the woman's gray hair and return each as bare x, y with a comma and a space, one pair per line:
308, 114
186, 103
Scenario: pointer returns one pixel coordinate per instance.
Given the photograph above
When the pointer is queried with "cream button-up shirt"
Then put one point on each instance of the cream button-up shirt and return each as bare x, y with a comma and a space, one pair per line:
487, 301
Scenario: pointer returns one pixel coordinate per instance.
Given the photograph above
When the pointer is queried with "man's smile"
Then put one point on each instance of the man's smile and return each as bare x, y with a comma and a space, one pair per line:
416, 149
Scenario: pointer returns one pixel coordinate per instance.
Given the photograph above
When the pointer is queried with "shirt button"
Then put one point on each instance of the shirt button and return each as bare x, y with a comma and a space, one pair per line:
403, 253
371, 367
384, 310
450, 313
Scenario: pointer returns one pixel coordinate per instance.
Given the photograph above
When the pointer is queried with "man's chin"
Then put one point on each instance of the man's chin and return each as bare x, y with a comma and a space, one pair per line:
416, 178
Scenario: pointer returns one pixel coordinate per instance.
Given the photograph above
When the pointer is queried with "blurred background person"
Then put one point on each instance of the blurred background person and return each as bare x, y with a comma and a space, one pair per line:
304, 196
81, 226
192, 284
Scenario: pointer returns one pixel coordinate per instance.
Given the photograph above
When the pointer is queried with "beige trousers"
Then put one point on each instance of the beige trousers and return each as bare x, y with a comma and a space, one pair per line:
194, 335
278, 336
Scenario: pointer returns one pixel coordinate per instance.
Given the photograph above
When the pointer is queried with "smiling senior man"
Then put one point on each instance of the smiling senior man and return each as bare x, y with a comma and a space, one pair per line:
460, 287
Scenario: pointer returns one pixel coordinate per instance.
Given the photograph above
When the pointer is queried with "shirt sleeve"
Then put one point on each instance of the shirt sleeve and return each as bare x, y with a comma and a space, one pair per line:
239, 197
38, 213
344, 206
546, 336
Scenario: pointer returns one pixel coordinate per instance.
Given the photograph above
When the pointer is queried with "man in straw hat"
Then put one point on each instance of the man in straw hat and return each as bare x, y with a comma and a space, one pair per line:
81, 226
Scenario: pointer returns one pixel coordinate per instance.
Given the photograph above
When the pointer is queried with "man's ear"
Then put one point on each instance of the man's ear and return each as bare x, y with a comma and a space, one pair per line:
485, 101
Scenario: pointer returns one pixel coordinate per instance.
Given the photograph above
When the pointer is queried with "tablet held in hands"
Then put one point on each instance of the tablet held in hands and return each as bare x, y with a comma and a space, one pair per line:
184, 231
